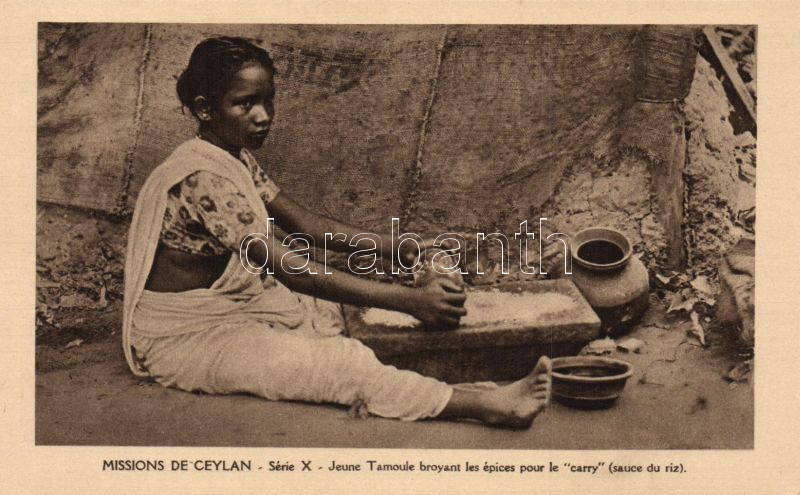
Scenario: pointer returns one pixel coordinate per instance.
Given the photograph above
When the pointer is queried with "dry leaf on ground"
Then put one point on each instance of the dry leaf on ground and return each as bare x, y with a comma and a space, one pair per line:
697, 328
632, 345
702, 284
599, 347
740, 372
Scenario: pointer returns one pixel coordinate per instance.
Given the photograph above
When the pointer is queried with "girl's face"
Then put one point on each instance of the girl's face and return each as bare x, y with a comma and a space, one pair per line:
241, 117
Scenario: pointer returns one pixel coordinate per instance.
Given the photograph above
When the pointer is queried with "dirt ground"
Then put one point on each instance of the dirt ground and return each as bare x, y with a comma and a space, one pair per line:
677, 398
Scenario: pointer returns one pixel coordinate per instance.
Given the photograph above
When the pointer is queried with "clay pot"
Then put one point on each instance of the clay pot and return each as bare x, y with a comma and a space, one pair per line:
615, 284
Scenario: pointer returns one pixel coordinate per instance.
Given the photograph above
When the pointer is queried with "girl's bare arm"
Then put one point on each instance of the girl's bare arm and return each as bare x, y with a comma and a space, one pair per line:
293, 217
438, 303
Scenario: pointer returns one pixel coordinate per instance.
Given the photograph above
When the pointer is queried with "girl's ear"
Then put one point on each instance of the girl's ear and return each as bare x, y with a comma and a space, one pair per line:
202, 108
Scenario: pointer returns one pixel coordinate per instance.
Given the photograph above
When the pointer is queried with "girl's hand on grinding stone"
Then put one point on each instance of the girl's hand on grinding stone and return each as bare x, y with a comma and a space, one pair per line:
439, 303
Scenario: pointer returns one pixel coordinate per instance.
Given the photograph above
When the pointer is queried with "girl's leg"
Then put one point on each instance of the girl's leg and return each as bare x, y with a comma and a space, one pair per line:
343, 370
283, 366
515, 405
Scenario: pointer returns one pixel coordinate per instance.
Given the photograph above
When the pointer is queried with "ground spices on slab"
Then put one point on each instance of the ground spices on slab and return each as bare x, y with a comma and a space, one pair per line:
487, 307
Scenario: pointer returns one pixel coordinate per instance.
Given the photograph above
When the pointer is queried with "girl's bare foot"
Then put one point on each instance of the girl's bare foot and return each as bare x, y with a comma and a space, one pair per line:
517, 404
514, 405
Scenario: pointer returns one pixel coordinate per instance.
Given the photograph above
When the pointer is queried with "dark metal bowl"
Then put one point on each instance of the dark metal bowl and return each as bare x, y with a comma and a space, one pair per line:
589, 382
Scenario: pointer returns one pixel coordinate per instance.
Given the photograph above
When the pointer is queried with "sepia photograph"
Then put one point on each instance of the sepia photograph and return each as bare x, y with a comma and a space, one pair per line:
395, 236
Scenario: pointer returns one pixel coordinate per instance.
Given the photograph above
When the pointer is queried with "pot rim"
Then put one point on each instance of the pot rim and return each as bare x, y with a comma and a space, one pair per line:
578, 360
627, 250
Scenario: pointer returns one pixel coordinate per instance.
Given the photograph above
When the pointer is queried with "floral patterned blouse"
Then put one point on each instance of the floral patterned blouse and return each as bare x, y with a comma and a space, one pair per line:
206, 213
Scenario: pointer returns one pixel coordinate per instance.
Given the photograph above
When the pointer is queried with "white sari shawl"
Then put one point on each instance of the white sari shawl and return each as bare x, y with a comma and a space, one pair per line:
236, 298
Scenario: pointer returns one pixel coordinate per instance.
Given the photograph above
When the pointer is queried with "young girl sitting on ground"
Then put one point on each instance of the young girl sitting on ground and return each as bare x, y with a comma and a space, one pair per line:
195, 319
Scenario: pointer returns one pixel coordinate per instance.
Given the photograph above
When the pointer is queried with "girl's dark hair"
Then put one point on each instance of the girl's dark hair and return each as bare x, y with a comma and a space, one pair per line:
213, 63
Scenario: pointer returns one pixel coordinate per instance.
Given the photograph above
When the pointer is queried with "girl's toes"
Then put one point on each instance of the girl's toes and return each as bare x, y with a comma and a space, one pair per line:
543, 366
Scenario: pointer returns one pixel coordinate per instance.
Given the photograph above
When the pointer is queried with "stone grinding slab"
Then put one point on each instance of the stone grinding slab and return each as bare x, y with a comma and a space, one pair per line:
504, 347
